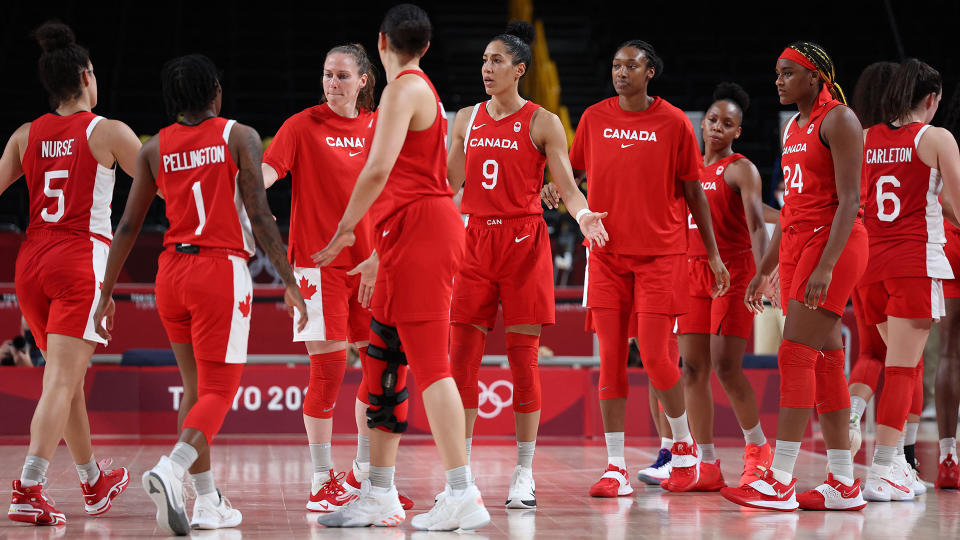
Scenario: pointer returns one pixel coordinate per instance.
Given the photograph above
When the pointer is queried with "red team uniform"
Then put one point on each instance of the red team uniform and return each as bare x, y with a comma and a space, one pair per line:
509, 261
643, 268
325, 152
204, 291
62, 260
726, 315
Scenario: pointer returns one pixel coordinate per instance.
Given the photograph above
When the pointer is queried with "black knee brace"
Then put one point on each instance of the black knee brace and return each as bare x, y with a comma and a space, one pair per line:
393, 358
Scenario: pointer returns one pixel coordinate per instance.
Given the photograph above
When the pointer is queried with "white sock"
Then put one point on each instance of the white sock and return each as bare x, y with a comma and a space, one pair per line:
708, 453
615, 449
900, 445
469, 443
784, 459
525, 453
363, 449
857, 406
381, 477
459, 478
948, 447
754, 435
882, 459
320, 456
910, 433
203, 483
89, 472
34, 471
680, 429
666, 443
841, 465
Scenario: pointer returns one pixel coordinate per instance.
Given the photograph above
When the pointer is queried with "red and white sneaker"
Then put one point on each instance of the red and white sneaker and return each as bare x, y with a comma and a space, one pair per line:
357, 475
711, 477
754, 457
948, 473
833, 495
97, 498
33, 505
765, 493
330, 496
615, 482
684, 467
890, 486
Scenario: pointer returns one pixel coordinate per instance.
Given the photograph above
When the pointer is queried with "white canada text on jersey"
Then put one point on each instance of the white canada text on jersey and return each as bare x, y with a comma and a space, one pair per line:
709, 186
192, 159
889, 155
490, 142
802, 147
55, 149
346, 142
629, 134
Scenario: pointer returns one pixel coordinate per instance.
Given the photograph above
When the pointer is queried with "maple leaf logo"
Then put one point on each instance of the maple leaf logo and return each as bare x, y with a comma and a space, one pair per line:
244, 306
307, 289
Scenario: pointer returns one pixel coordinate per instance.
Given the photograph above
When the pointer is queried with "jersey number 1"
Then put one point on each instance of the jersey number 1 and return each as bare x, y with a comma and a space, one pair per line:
201, 213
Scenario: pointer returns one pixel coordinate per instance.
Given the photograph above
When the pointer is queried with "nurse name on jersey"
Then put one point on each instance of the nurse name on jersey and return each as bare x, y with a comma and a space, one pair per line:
346, 142
629, 134
192, 159
492, 142
889, 155
55, 149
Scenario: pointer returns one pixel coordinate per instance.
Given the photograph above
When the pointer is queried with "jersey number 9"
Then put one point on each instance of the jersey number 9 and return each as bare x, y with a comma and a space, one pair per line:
491, 169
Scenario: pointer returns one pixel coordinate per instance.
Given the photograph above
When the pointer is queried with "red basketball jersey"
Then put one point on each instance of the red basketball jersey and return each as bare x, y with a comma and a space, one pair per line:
421, 168
635, 163
198, 177
325, 153
504, 169
726, 212
809, 184
69, 190
902, 211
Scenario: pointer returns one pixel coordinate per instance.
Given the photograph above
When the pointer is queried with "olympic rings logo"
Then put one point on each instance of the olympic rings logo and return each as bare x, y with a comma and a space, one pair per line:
499, 395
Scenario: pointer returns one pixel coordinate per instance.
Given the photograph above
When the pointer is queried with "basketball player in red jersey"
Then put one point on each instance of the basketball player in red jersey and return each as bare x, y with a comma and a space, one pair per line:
419, 237
865, 374
821, 248
498, 153
638, 280
714, 331
324, 148
947, 392
68, 158
208, 169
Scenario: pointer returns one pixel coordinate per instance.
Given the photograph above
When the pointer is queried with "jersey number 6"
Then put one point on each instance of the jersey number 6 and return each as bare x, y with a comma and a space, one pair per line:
491, 169
882, 198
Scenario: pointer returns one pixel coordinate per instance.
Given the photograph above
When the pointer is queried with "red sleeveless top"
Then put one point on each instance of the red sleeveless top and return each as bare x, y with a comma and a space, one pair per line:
504, 169
726, 212
809, 183
421, 168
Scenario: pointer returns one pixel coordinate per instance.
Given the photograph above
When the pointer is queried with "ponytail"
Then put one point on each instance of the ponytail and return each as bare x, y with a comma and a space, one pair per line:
62, 62
911, 83
365, 99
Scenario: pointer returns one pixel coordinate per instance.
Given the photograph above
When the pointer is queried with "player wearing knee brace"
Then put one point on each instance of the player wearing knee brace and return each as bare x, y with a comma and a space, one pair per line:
821, 248
639, 278
323, 148
498, 154
714, 331
68, 161
208, 170
419, 239
907, 163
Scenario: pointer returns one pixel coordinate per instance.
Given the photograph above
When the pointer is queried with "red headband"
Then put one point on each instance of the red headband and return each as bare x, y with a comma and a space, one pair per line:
796, 56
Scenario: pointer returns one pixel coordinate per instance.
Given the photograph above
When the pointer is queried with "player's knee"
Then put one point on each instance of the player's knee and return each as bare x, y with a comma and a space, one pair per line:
798, 384
386, 386
695, 373
326, 376
728, 372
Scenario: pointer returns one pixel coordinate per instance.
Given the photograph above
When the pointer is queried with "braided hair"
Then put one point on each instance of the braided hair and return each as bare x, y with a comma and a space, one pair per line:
653, 59
190, 83
825, 70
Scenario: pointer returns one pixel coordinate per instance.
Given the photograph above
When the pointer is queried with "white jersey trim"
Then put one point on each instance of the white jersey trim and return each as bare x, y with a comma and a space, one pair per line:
99, 252
586, 276
473, 116
226, 130
316, 329
103, 183
786, 131
93, 123
916, 140
236, 352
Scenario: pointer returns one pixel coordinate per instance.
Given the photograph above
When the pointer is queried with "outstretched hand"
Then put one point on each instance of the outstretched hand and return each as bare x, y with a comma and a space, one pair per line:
341, 239
368, 277
591, 225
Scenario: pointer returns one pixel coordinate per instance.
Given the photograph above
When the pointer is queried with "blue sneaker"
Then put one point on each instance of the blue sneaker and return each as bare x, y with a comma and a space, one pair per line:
659, 471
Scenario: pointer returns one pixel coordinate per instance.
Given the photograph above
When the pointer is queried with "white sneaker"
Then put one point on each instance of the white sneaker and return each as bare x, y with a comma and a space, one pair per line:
886, 487
454, 511
659, 471
374, 506
909, 475
164, 485
523, 490
214, 511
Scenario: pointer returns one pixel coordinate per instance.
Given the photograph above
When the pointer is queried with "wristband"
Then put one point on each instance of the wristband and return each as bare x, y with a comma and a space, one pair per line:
581, 213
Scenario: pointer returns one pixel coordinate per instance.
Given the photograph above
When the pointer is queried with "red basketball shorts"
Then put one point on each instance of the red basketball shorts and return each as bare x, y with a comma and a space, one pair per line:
507, 261
726, 315
334, 313
951, 287
800, 251
206, 300
58, 278
635, 283
904, 297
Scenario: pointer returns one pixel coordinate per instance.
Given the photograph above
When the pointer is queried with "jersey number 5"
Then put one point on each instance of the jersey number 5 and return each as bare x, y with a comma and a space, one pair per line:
201, 213
882, 198
792, 181
491, 169
52, 192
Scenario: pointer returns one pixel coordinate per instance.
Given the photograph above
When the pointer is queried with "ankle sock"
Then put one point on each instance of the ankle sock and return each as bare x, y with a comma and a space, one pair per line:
754, 435
525, 451
841, 465
203, 483
34, 471
459, 478
680, 428
784, 459
708, 453
615, 449
381, 477
89, 472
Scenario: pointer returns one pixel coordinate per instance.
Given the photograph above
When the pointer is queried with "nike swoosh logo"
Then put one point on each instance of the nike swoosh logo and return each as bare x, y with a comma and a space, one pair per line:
356, 153
525, 403
815, 229
626, 145
385, 233
604, 387
478, 127
521, 239
327, 410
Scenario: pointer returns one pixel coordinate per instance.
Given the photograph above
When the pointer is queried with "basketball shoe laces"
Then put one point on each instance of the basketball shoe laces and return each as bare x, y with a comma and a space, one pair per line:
334, 486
